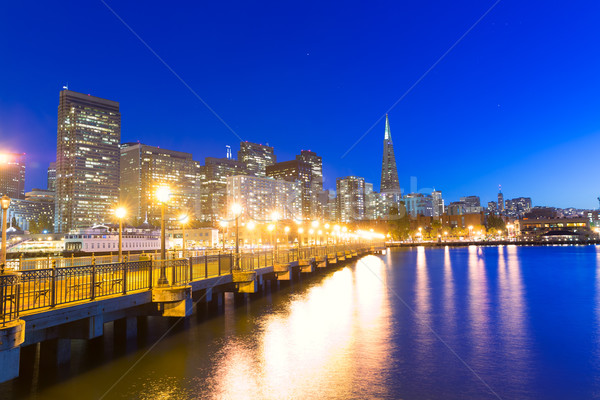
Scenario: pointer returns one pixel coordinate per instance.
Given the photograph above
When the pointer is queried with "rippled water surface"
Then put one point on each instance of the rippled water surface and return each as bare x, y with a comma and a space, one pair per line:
455, 323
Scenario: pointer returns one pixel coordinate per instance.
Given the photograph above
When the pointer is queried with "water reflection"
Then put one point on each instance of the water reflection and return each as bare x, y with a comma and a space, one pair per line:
332, 341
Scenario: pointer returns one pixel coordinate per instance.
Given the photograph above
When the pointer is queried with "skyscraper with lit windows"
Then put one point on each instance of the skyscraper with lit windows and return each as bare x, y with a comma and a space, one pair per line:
87, 160
12, 175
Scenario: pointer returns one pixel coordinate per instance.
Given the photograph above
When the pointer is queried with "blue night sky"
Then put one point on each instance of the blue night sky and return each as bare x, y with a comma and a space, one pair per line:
516, 102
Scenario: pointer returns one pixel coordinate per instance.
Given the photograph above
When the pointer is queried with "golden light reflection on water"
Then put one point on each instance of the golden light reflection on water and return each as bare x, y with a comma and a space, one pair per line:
332, 341
449, 301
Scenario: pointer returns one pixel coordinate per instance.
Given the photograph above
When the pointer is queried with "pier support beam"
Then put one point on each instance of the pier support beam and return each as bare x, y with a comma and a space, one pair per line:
126, 328
11, 337
55, 352
173, 301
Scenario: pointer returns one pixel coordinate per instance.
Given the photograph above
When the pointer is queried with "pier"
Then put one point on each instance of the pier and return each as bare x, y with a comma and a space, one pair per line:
51, 306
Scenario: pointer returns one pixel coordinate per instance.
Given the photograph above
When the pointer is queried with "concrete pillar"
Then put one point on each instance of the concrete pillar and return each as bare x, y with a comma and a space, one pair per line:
11, 337
28, 360
55, 352
126, 328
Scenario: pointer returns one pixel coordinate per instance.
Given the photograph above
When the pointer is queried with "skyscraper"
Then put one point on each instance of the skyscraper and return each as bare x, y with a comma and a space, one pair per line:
296, 171
87, 160
437, 203
213, 186
12, 175
351, 198
316, 185
52, 177
145, 168
500, 199
390, 186
261, 197
256, 157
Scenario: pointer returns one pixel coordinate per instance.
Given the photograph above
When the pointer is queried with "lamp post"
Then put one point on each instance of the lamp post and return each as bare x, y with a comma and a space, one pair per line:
310, 232
183, 218
5, 203
120, 213
236, 209
470, 231
163, 194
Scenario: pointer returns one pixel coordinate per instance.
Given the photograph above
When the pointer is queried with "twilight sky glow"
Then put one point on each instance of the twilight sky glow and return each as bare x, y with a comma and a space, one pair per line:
516, 102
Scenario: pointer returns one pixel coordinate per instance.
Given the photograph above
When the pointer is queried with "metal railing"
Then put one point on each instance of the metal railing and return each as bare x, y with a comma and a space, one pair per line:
31, 289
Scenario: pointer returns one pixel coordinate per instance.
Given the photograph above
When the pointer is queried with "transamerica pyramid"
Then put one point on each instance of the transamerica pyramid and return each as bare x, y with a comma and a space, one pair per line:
390, 187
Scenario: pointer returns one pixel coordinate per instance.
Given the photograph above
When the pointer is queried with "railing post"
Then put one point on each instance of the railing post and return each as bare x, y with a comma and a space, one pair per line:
125, 268
173, 271
93, 288
231, 262
205, 265
53, 286
219, 263
150, 268
191, 264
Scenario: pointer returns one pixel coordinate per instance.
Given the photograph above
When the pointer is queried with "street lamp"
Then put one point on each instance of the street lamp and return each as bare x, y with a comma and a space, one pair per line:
120, 213
163, 193
4, 203
470, 231
184, 219
236, 209
287, 233
310, 232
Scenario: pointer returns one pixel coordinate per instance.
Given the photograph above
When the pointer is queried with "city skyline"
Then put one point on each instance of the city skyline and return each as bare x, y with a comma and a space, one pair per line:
461, 130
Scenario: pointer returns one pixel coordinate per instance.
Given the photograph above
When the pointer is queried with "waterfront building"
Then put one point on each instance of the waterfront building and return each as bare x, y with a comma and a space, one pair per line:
301, 172
35, 212
105, 239
256, 157
350, 198
260, 197
87, 160
146, 168
553, 228
12, 175
437, 203
194, 238
390, 186
213, 187
51, 177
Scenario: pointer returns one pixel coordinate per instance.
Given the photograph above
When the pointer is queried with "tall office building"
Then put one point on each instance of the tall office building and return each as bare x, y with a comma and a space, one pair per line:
418, 204
500, 199
316, 185
261, 197
351, 198
12, 175
87, 161
472, 204
374, 207
51, 177
213, 187
146, 168
296, 171
517, 207
390, 186
437, 203
256, 157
